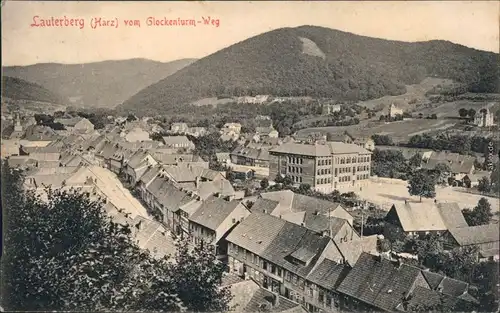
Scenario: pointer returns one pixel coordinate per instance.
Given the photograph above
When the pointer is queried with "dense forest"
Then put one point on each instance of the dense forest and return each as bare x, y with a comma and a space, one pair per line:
19, 89
352, 68
103, 84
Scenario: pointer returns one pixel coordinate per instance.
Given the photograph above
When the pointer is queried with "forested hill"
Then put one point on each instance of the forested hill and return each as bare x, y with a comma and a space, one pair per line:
101, 84
19, 89
317, 61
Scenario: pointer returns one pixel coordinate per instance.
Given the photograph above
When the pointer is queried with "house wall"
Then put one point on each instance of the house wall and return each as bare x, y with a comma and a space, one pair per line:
279, 280
236, 216
346, 233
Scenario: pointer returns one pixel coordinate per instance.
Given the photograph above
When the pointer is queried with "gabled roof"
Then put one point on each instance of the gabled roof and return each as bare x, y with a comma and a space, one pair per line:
379, 282
475, 234
176, 140
179, 173
213, 212
328, 274
256, 232
153, 236
290, 202
150, 174
420, 216
452, 215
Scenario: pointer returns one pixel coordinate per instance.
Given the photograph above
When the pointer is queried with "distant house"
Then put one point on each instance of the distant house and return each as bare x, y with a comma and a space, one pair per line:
301, 209
394, 111
251, 156
472, 180
231, 129
178, 142
365, 142
329, 108
78, 124
179, 128
223, 157
484, 118
197, 131
424, 218
460, 165
269, 132
485, 237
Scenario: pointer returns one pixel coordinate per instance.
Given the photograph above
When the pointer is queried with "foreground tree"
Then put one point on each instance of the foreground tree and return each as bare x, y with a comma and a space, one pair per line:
480, 215
423, 185
484, 185
63, 253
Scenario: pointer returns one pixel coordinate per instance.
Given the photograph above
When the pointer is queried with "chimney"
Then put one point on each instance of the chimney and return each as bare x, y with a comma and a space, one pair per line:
197, 182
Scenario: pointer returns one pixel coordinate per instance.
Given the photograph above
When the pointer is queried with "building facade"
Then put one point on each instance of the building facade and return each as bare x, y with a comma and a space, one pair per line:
325, 167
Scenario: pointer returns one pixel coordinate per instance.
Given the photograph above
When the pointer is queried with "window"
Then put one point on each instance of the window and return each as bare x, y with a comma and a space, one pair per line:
244, 254
300, 179
264, 265
287, 276
273, 269
321, 296
300, 170
279, 271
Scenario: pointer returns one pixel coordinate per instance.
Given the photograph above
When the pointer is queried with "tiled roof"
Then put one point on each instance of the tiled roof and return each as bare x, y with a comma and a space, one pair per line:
262, 300
419, 217
290, 202
136, 159
179, 173
321, 223
452, 215
426, 297
295, 242
379, 282
213, 212
252, 153
150, 174
154, 237
176, 140
256, 232
453, 287
475, 234
353, 249
433, 279
326, 149
264, 205
328, 274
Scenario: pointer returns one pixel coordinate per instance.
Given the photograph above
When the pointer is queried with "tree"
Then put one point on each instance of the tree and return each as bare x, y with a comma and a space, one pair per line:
416, 160
441, 173
463, 112
471, 113
480, 215
131, 117
304, 188
64, 254
434, 116
484, 185
422, 185
382, 140
264, 183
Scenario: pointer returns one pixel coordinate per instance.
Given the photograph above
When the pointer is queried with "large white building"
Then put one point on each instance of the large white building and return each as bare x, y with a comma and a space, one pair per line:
484, 118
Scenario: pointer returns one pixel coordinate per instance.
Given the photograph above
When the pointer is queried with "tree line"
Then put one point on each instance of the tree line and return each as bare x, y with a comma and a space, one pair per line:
65, 254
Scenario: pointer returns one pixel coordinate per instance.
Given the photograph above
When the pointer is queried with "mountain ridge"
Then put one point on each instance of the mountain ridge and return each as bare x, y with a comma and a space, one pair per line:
97, 84
355, 67
20, 89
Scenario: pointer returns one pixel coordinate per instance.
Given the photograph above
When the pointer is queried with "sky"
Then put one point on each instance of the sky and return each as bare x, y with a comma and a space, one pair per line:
470, 23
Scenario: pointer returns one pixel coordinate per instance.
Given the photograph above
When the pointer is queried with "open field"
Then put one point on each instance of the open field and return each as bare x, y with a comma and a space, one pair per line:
399, 131
212, 101
386, 192
414, 94
450, 109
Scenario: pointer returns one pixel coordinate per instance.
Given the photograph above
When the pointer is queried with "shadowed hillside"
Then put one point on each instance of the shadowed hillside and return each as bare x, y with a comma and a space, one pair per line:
318, 62
104, 84
19, 89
